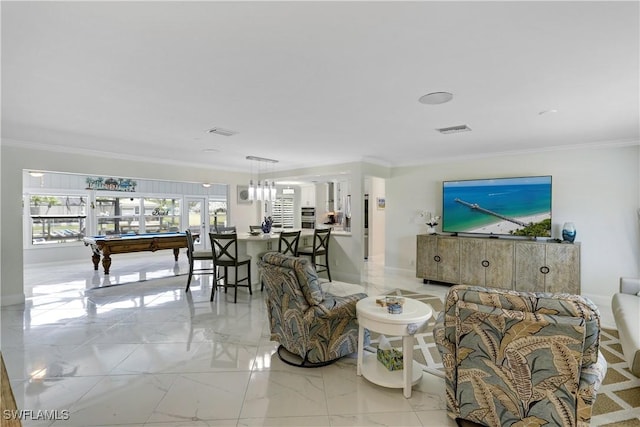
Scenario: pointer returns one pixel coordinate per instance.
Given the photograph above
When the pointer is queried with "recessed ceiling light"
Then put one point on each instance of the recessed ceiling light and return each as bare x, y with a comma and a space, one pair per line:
206, 185
547, 112
435, 98
36, 174
211, 150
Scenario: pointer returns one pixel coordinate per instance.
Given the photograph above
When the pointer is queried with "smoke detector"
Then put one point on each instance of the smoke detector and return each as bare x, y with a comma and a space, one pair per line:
454, 129
221, 131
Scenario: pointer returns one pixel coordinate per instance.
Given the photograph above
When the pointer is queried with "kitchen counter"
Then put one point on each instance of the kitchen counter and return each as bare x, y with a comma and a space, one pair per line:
340, 233
276, 235
256, 245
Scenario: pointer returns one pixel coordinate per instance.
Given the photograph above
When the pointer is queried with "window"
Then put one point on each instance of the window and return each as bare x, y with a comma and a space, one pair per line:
161, 215
118, 215
282, 211
57, 218
217, 213
60, 208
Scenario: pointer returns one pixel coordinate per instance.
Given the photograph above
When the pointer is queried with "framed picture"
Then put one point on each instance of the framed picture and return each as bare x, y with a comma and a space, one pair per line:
381, 202
243, 195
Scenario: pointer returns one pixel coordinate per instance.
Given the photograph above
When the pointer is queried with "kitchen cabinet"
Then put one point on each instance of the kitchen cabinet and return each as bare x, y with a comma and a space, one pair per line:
520, 265
487, 262
308, 195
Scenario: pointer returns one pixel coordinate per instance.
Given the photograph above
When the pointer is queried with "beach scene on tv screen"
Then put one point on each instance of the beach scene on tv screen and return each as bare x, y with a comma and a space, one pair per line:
507, 206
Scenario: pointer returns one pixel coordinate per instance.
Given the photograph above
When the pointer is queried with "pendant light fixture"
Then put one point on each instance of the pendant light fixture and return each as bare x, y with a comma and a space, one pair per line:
261, 189
274, 192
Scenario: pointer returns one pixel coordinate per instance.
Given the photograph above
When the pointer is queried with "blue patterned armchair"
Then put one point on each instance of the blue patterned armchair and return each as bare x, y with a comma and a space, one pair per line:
519, 358
313, 328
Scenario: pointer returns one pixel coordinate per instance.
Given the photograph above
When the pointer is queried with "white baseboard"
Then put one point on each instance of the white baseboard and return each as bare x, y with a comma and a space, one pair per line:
12, 299
402, 272
344, 277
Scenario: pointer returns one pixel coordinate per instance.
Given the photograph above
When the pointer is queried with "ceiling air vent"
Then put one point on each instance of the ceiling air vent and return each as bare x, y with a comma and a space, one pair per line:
455, 129
221, 131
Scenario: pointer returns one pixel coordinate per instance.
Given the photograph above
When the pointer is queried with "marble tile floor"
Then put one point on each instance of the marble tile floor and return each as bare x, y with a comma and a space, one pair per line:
92, 351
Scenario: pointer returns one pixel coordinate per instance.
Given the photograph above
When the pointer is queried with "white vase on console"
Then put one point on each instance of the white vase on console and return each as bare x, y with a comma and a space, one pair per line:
431, 230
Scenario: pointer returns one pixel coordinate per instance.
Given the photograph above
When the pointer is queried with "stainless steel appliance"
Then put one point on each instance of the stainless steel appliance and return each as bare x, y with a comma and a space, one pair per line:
308, 217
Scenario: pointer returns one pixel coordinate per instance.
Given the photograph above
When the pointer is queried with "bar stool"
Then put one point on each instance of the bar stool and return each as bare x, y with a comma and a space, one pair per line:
287, 245
194, 256
224, 248
320, 248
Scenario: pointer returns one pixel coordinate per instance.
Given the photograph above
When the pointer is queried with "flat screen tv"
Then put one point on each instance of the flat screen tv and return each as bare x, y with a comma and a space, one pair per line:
519, 206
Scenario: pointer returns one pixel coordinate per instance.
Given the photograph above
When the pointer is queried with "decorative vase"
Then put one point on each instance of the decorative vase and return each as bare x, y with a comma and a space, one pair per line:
431, 230
266, 225
568, 232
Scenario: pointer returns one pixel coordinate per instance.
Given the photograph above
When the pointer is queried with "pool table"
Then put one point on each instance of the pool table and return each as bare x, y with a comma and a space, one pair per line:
106, 246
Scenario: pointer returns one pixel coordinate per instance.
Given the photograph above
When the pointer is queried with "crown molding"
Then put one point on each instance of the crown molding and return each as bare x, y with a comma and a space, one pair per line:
11, 142
593, 145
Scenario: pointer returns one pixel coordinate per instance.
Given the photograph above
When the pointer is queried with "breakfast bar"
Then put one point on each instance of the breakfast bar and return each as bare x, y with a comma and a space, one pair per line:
254, 245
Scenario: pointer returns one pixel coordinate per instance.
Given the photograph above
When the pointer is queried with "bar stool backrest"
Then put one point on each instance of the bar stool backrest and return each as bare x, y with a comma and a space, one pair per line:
321, 240
225, 248
189, 243
288, 242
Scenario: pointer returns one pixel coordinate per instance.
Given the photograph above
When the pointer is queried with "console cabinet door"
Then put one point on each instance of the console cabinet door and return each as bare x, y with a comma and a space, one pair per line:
563, 261
486, 262
448, 260
438, 258
548, 267
472, 253
529, 265
498, 264
426, 266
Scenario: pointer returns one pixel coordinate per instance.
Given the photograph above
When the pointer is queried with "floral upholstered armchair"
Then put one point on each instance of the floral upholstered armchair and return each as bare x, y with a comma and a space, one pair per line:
313, 328
516, 358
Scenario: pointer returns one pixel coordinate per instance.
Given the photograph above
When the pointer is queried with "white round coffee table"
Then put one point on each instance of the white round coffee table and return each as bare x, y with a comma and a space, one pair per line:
376, 318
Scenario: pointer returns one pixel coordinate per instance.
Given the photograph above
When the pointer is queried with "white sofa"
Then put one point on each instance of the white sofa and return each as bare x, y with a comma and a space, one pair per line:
626, 312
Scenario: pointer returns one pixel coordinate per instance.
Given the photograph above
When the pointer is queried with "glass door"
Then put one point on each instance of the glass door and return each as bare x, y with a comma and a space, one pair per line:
197, 221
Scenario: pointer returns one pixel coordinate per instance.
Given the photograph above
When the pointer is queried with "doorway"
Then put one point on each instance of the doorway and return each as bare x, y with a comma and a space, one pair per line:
374, 220
196, 217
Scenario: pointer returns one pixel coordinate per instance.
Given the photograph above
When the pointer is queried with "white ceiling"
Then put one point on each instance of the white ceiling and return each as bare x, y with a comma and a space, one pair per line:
313, 83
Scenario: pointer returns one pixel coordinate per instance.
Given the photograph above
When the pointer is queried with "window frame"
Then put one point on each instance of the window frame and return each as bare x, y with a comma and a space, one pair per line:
28, 216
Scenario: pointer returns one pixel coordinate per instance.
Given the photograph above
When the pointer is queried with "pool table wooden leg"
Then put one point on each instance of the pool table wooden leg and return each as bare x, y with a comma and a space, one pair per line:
106, 263
96, 261
176, 252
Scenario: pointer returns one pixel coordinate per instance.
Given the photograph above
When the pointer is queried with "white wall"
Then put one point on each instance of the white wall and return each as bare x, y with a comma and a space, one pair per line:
596, 188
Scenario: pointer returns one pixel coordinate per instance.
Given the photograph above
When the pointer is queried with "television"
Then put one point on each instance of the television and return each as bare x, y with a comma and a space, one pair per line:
518, 206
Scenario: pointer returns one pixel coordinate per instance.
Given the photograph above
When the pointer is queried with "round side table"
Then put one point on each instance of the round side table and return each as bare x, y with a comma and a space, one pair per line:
376, 318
